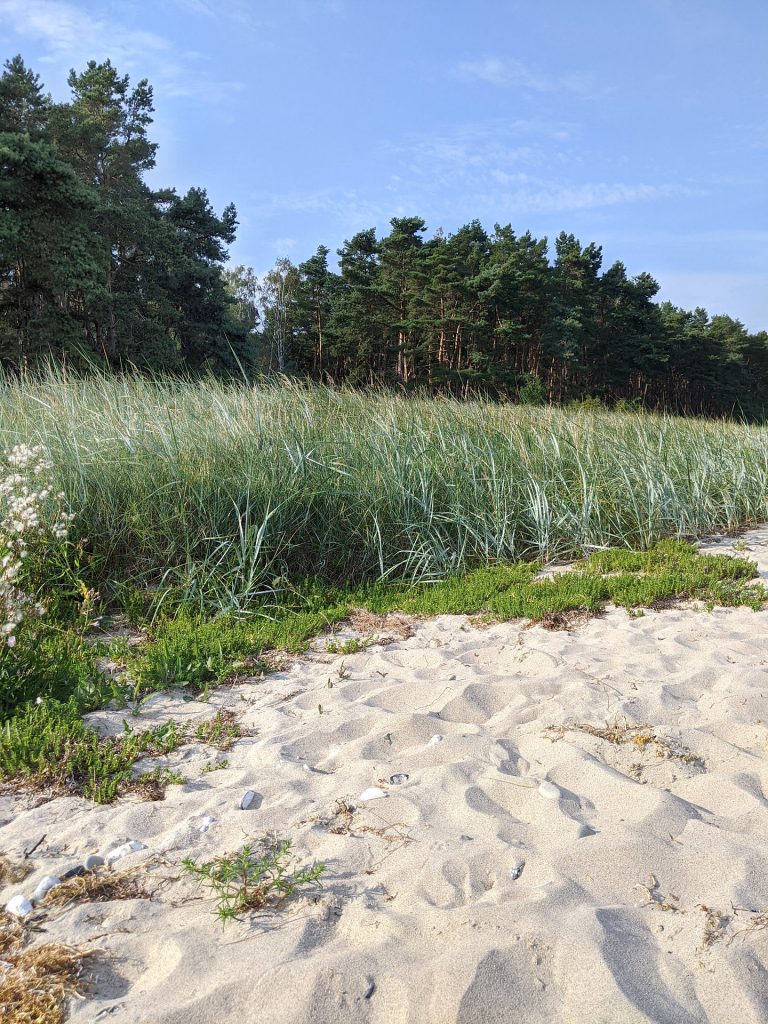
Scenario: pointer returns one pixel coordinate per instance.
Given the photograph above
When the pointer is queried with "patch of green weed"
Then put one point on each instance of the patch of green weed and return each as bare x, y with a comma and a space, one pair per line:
253, 879
221, 731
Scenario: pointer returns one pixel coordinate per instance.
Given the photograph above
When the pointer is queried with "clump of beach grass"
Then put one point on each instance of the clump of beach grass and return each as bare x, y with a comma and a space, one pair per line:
216, 495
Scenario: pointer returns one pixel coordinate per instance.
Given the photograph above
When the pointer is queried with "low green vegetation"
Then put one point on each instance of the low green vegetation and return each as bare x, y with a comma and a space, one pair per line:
213, 651
49, 747
255, 878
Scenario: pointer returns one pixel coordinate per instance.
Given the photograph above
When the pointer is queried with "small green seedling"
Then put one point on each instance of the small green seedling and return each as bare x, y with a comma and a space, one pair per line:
255, 878
221, 731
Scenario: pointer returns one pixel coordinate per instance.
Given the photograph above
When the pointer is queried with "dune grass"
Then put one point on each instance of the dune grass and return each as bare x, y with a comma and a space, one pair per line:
212, 496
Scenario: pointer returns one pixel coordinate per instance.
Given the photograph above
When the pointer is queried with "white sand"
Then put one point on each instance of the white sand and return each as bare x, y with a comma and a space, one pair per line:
425, 923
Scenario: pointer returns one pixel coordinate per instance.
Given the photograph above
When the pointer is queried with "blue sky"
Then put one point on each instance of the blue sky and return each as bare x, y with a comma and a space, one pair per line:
642, 126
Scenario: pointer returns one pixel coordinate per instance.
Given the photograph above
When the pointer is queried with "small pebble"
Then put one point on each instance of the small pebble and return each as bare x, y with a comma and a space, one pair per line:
206, 823
122, 851
73, 872
43, 886
92, 861
466, 839
549, 790
516, 871
437, 738
247, 799
19, 906
398, 778
374, 793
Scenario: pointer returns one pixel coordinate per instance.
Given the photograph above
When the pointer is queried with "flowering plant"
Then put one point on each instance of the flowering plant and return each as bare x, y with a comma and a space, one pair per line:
25, 491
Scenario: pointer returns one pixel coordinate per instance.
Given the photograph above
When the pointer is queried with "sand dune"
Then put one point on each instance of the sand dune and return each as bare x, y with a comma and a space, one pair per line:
471, 893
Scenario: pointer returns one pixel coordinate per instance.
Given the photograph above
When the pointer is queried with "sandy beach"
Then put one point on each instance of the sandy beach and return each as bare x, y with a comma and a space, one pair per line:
575, 828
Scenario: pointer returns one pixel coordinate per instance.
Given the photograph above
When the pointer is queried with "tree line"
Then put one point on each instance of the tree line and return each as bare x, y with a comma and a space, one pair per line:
97, 267
473, 311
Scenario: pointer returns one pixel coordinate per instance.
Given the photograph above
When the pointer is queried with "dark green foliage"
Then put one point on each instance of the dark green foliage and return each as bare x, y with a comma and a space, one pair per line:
95, 267
49, 661
471, 312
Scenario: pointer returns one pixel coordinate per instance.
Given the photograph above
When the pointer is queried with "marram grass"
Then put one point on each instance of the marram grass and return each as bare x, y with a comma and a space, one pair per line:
213, 494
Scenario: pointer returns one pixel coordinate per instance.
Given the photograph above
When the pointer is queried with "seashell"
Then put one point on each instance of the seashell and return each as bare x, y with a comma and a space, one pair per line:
133, 846
437, 738
43, 886
398, 778
516, 871
19, 906
549, 790
206, 823
374, 793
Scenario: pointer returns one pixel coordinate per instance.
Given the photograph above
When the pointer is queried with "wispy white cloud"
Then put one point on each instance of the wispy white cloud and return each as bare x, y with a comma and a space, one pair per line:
348, 209
556, 197
71, 35
508, 169
509, 72
504, 72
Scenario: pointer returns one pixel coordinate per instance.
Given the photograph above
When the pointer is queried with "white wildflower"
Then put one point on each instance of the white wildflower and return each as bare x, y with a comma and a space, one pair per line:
24, 514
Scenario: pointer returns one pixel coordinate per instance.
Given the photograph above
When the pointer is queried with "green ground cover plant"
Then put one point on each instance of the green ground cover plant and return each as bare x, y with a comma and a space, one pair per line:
254, 878
48, 746
214, 651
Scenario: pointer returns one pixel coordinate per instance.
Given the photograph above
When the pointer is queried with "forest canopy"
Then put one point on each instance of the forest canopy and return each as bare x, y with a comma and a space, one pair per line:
98, 268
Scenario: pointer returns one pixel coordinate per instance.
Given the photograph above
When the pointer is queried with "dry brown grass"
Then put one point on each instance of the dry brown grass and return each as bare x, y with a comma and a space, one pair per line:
36, 981
12, 871
566, 620
383, 628
715, 925
655, 898
643, 737
96, 887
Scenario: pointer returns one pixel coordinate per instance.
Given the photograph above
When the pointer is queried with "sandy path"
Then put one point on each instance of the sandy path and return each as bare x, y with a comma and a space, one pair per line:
465, 895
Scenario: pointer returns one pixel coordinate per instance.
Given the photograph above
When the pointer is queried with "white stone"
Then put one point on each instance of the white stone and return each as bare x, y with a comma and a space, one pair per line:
374, 793
43, 886
19, 906
437, 738
93, 861
549, 790
247, 799
133, 846
206, 823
